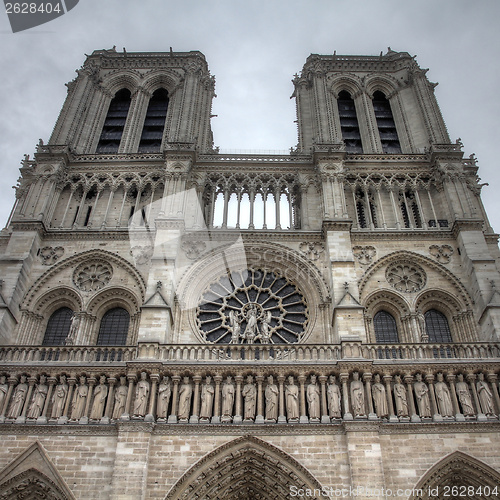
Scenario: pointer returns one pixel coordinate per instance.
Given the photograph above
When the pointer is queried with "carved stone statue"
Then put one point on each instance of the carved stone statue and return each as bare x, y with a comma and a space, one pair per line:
422, 395
79, 399
357, 396
464, 396
227, 400
422, 327
185, 392
249, 394
379, 398
400, 398
235, 320
207, 399
485, 396
59, 398
18, 399
271, 394
312, 394
100, 394
36, 406
443, 397
3, 391
265, 328
292, 400
334, 398
164, 393
252, 329
120, 398
73, 331
141, 396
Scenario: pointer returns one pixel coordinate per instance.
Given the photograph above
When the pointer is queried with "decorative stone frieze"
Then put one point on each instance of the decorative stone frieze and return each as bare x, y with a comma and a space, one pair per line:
442, 253
50, 255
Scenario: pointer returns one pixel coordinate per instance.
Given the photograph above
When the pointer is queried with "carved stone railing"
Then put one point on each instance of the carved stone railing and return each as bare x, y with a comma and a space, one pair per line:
257, 353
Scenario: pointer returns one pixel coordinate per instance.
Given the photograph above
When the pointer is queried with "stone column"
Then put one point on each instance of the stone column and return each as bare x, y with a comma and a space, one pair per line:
67, 405
172, 419
388, 393
237, 416
21, 419
344, 377
281, 400
259, 419
216, 417
325, 418
429, 378
196, 400
150, 417
304, 419
492, 379
12, 383
126, 414
367, 377
411, 402
85, 418
42, 419
451, 379
471, 378
109, 402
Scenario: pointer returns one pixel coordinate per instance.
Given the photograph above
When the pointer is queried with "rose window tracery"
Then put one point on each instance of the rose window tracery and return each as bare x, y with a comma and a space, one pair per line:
406, 277
252, 306
92, 276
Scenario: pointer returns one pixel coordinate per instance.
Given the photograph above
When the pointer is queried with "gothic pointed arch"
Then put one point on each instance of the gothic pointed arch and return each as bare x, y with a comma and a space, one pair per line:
33, 475
246, 468
458, 470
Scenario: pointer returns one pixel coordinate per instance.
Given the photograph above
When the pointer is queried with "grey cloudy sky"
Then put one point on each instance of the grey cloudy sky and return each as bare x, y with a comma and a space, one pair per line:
254, 48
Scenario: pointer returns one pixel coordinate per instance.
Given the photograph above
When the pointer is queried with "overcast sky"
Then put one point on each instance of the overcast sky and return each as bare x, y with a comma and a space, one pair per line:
254, 48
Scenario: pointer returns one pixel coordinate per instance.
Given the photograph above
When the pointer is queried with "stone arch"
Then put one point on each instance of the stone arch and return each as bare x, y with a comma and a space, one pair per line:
448, 279
245, 468
385, 84
349, 83
168, 79
269, 257
124, 79
33, 475
63, 296
460, 470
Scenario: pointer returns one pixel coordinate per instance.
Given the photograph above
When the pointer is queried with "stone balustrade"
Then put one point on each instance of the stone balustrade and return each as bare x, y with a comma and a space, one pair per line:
271, 353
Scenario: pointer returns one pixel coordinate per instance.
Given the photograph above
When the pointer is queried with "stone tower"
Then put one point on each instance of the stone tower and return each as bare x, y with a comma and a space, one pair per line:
181, 323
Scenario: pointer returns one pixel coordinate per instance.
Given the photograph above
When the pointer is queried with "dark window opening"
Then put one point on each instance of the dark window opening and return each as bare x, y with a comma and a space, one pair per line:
349, 123
154, 123
112, 131
87, 217
437, 327
386, 331
58, 327
76, 214
114, 327
385, 123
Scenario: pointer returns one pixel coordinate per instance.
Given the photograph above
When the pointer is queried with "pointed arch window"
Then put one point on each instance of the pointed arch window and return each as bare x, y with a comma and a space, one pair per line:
112, 131
349, 123
154, 123
58, 327
385, 123
437, 327
409, 209
386, 330
114, 327
365, 209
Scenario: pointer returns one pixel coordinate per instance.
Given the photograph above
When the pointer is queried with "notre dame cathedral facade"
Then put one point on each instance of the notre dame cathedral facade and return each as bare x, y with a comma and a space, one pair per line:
178, 323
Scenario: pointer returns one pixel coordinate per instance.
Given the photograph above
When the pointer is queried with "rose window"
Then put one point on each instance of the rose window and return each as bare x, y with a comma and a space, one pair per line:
252, 306
92, 276
405, 277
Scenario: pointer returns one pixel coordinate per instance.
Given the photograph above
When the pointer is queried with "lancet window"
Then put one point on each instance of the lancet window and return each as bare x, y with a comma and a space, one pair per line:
386, 331
114, 327
112, 131
385, 124
58, 327
437, 327
365, 209
409, 209
349, 123
154, 123
260, 202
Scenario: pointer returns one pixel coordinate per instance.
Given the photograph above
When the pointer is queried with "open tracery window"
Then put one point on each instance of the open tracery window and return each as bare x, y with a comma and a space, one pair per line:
112, 131
58, 327
386, 330
252, 306
349, 123
437, 327
385, 123
154, 123
114, 327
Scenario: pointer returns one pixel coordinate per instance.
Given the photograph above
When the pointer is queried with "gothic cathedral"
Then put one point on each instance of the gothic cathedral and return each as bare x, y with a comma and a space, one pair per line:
178, 323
